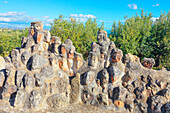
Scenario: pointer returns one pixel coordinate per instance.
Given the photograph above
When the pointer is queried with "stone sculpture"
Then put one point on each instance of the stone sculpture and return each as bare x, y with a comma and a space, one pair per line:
46, 73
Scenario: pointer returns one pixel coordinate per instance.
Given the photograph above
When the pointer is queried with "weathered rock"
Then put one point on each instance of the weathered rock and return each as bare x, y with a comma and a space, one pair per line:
8, 90
20, 98
166, 108
29, 82
2, 78
36, 99
37, 62
116, 72
55, 43
148, 62
25, 57
156, 102
165, 93
119, 93
93, 60
47, 71
103, 99
103, 77
19, 77
75, 89
15, 55
39, 79
3, 64
57, 101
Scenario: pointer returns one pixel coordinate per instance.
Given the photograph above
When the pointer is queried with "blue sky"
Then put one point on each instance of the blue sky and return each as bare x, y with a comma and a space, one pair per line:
19, 13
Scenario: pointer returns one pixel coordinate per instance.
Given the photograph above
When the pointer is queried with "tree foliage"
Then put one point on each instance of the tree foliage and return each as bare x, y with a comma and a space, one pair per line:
10, 39
142, 36
81, 34
139, 35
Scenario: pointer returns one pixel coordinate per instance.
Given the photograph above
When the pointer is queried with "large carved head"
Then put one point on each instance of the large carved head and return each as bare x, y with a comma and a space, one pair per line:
63, 49
116, 55
103, 76
102, 36
93, 59
69, 43
78, 60
148, 62
37, 25
55, 43
112, 45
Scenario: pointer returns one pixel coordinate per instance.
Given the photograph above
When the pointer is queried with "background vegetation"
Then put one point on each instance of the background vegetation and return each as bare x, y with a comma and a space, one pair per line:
139, 35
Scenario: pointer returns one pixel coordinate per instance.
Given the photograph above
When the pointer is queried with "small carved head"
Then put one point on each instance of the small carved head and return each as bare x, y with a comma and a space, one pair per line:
116, 55
148, 62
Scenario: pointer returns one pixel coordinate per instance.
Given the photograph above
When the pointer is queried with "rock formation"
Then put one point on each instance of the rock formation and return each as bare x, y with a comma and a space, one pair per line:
45, 73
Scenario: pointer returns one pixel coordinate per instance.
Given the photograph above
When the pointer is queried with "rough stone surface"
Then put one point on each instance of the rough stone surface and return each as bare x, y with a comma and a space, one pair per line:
37, 62
3, 64
48, 75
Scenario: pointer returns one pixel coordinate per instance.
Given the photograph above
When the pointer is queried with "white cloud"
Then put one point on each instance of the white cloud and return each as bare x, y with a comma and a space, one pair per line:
155, 5
45, 17
3, 23
81, 17
154, 18
5, 2
73, 15
132, 6
12, 14
21, 20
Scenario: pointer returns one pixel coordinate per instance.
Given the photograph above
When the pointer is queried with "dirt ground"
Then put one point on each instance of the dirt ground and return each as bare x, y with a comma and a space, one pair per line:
77, 108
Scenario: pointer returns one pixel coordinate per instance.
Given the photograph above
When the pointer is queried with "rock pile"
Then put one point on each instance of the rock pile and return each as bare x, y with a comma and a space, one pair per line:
45, 73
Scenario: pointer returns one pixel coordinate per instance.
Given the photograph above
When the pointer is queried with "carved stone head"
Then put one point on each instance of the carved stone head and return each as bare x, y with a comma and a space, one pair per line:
93, 59
89, 77
25, 57
78, 60
15, 55
63, 49
34, 27
104, 76
148, 62
37, 25
116, 55
102, 36
112, 46
55, 43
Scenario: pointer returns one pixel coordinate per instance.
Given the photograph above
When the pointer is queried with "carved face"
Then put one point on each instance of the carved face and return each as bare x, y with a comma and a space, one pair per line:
103, 56
100, 37
25, 56
104, 76
38, 26
148, 62
63, 50
63, 64
45, 46
78, 61
31, 30
93, 60
116, 57
89, 77
70, 54
15, 55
